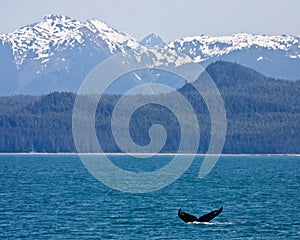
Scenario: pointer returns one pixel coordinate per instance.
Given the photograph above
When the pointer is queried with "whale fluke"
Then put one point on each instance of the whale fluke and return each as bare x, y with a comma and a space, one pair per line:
186, 217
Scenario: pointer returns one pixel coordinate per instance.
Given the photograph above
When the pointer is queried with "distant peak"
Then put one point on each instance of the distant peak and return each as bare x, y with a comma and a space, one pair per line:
152, 40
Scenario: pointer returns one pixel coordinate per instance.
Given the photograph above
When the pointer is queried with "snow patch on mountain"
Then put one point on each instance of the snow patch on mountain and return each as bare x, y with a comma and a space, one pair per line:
114, 38
201, 48
260, 58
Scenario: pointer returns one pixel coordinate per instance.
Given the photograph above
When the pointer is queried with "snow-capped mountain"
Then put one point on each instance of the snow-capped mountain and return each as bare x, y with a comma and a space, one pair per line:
202, 48
57, 53
57, 33
275, 56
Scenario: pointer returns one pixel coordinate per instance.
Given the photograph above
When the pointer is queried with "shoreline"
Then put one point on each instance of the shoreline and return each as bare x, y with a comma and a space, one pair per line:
154, 154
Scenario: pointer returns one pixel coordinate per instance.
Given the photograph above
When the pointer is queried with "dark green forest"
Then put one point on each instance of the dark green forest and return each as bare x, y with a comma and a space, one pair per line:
263, 116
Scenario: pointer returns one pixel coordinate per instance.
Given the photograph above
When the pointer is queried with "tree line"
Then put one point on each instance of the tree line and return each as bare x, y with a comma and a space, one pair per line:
263, 116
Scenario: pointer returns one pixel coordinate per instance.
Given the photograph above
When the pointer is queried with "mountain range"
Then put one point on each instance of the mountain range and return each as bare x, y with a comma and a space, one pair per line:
57, 53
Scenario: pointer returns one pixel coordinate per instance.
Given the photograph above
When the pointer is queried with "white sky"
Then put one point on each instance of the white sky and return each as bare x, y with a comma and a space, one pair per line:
171, 19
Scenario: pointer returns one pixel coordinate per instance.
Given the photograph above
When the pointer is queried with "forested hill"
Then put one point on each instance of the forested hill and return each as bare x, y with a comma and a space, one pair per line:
263, 116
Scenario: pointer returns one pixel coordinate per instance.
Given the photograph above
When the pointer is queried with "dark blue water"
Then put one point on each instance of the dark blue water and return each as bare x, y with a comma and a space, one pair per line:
55, 197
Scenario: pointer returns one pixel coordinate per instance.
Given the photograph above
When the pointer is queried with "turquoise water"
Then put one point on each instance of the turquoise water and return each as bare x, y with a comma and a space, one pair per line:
55, 197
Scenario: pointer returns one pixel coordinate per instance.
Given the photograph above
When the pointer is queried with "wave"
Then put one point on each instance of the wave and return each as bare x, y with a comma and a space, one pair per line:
212, 223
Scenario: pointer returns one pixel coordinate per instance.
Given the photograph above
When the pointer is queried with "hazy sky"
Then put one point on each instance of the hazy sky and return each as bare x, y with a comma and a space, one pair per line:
171, 19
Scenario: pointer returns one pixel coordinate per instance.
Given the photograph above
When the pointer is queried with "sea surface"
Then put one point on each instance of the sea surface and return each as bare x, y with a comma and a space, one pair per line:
55, 197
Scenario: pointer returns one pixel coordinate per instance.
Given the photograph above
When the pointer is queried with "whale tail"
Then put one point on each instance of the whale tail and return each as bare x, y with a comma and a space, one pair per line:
209, 216
186, 217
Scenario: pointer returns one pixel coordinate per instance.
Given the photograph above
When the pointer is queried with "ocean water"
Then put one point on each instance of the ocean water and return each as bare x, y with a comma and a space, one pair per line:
55, 197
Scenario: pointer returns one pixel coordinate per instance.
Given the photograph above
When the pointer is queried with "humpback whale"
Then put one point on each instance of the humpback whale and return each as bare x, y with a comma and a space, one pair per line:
186, 217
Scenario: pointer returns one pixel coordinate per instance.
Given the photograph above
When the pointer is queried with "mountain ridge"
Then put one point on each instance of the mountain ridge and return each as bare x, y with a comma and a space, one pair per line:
59, 29
57, 53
